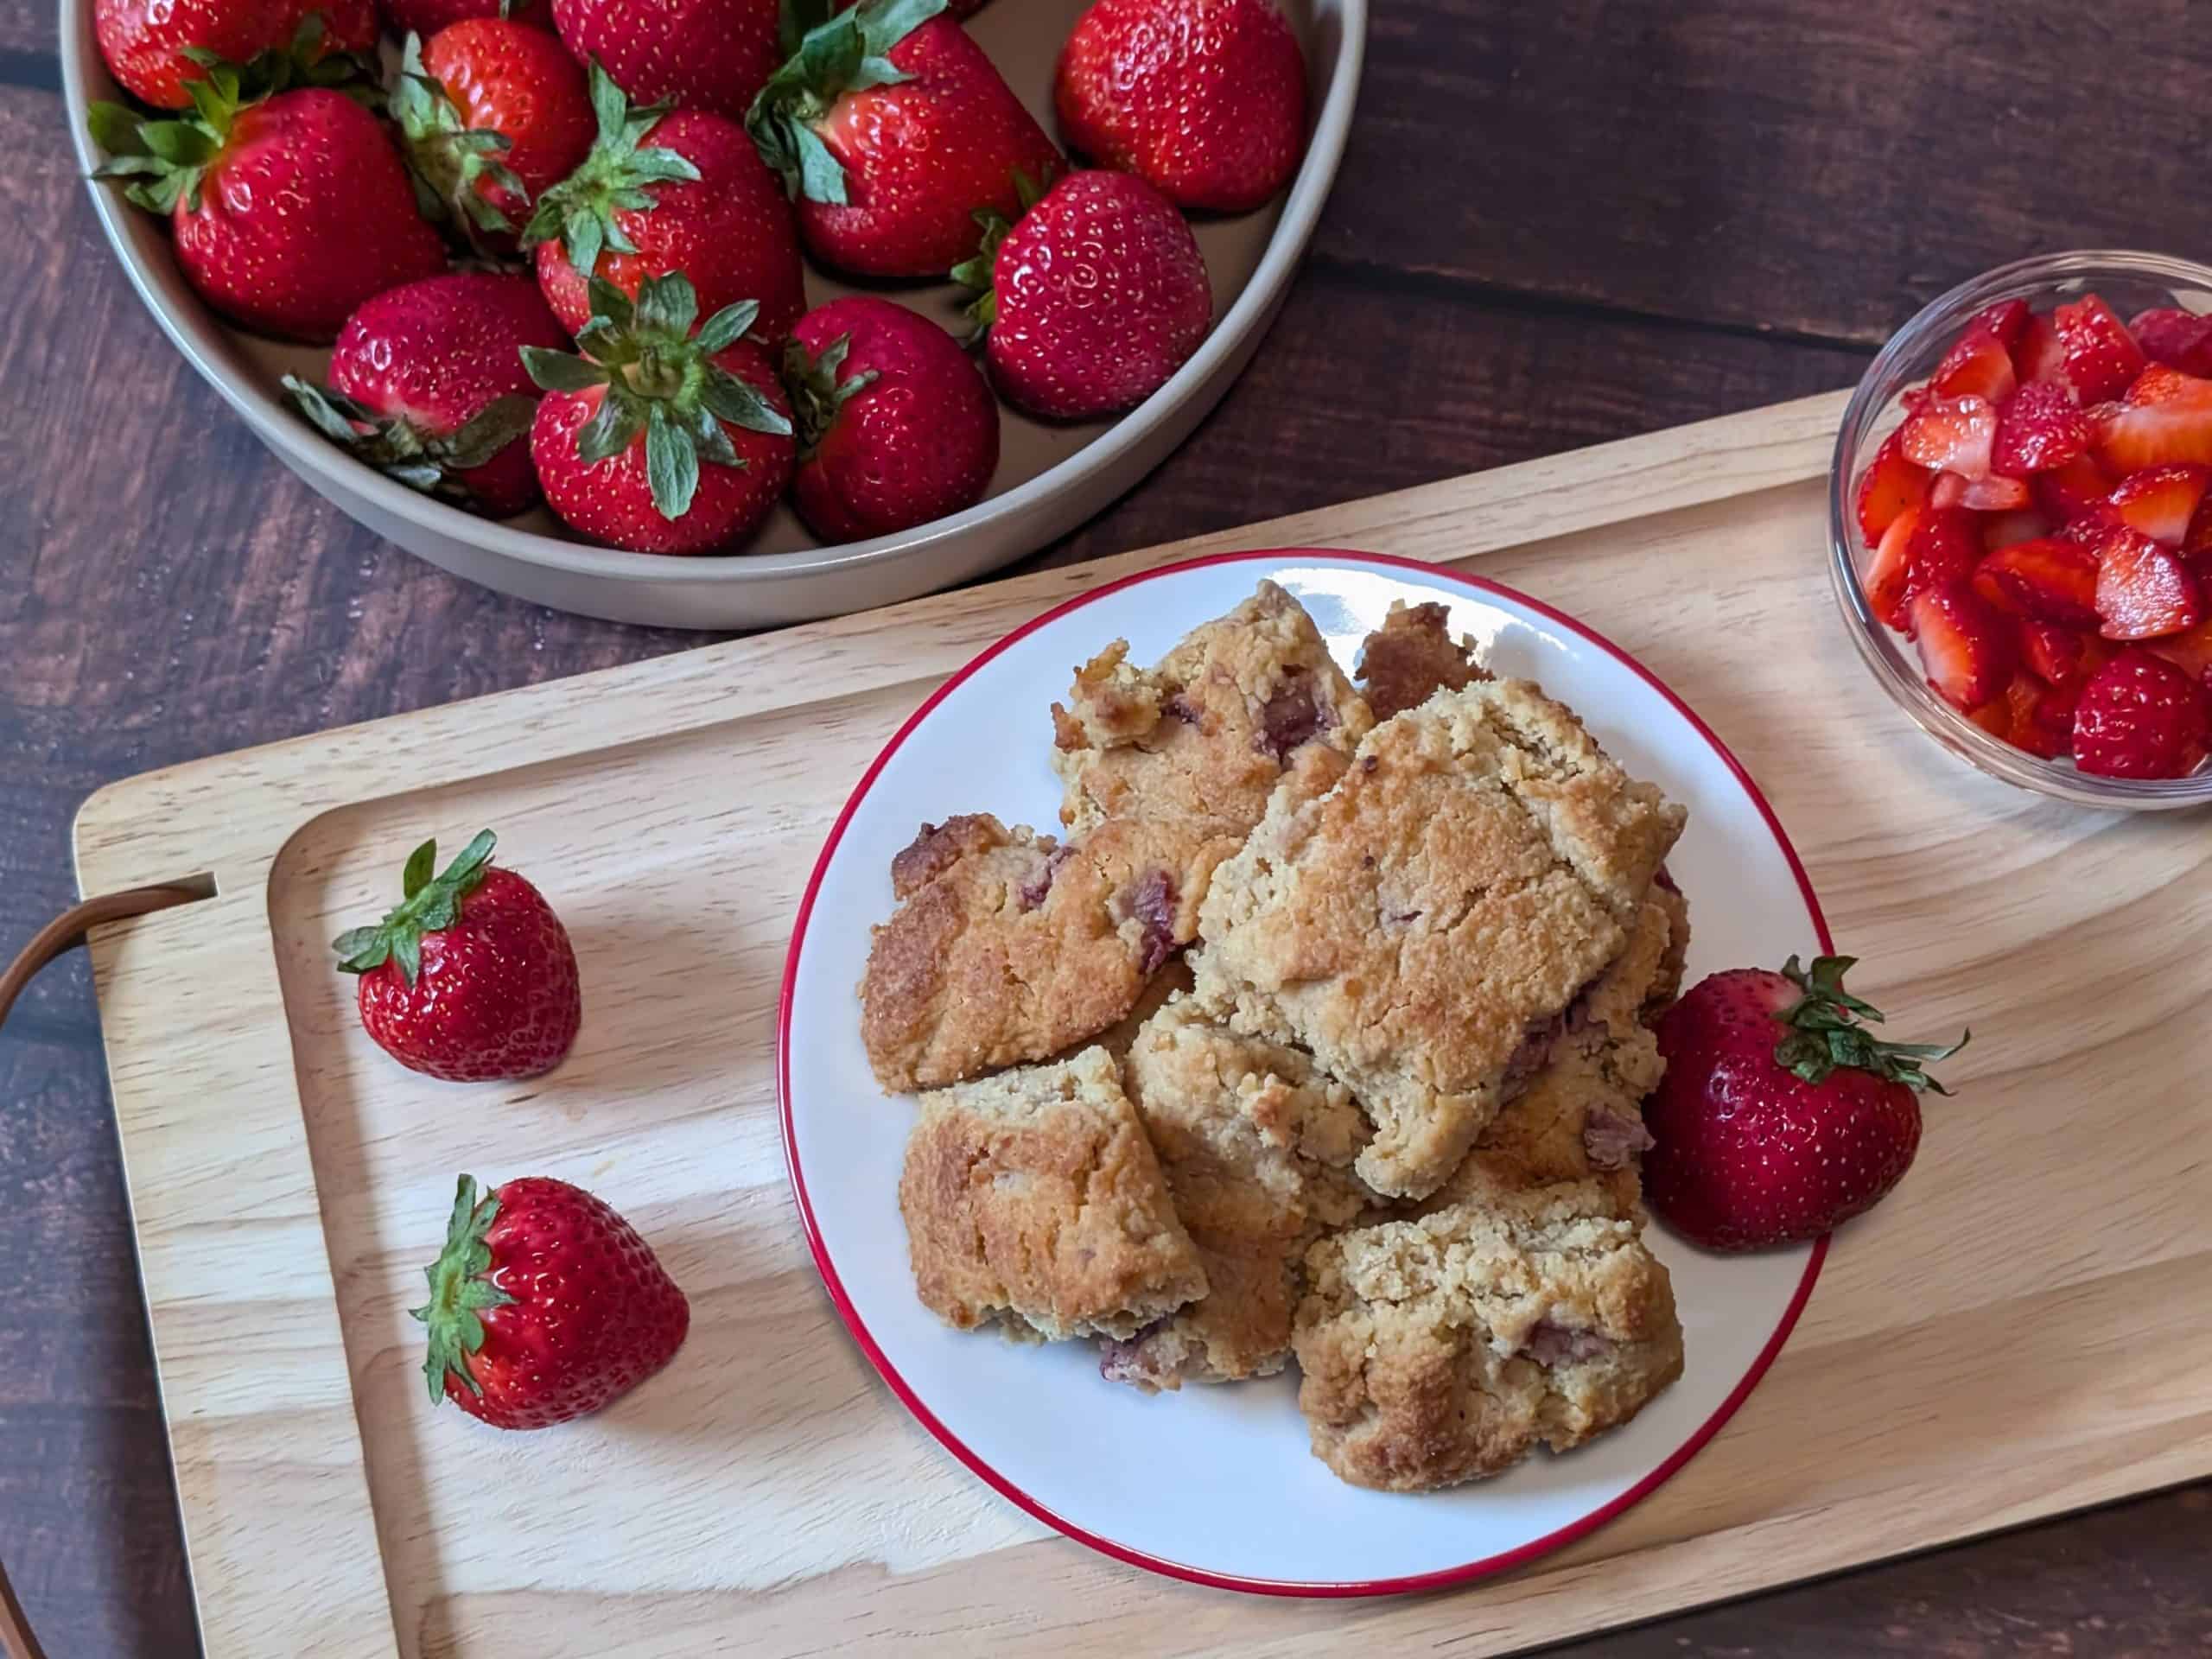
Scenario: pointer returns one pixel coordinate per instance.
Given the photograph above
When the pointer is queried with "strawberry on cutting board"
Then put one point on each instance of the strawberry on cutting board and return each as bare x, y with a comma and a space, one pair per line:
1089, 301
891, 130
1780, 1117
1203, 99
471, 976
545, 1306
662, 193
287, 212
427, 386
145, 42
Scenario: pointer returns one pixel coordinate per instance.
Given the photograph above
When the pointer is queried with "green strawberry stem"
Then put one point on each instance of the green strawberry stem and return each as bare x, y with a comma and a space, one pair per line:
975, 275
446, 157
846, 51
661, 379
1825, 1032
580, 210
461, 1291
816, 394
399, 449
426, 904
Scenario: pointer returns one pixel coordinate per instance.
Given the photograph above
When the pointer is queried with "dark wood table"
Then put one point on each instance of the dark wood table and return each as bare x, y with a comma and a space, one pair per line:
1557, 223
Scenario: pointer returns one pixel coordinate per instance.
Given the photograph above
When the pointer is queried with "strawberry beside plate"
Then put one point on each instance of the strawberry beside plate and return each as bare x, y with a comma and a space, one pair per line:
1216, 1485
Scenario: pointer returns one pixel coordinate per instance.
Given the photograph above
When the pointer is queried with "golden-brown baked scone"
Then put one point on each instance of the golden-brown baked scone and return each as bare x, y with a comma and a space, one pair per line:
1668, 984
1412, 657
1257, 1147
1033, 1197
1447, 1348
1421, 926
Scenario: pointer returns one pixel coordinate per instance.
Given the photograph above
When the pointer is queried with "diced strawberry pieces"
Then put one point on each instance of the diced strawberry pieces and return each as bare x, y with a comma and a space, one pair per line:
2190, 651
2007, 320
2071, 489
2161, 384
2038, 355
2197, 541
2132, 436
2101, 356
1889, 484
2061, 656
1994, 717
2178, 337
1977, 365
2140, 716
2021, 524
1952, 434
1945, 547
1994, 494
2162, 501
1946, 491
2051, 579
2093, 524
2038, 428
2042, 716
1967, 648
2144, 590
1887, 572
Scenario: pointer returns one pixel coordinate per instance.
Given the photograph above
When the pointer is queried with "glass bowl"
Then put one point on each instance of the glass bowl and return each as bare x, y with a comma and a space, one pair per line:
2128, 281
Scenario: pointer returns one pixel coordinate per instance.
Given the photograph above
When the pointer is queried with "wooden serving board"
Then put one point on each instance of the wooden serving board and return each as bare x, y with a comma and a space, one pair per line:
2015, 1334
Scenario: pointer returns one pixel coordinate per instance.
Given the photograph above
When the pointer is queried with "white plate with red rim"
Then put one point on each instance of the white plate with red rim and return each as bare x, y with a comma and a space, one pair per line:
1217, 1485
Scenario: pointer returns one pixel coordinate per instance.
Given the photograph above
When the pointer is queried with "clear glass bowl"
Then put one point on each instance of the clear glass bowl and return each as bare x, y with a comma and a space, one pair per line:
2129, 283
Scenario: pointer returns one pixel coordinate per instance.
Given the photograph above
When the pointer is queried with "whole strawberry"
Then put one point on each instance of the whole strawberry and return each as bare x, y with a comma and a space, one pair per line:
544, 1306
662, 193
427, 386
1091, 300
286, 213
2140, 716
660, 439
895, 426
891, 129
492, 114
427, 18
154, 48
1203, 99
694, 55
1780, 1117
470, 977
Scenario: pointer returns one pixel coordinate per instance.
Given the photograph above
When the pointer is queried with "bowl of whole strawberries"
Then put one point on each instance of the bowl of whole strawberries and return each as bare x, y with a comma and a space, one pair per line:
713, 312
2021, 525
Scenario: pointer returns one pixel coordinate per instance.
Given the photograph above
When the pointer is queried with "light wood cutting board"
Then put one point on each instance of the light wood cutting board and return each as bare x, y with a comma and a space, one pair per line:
2021, 1330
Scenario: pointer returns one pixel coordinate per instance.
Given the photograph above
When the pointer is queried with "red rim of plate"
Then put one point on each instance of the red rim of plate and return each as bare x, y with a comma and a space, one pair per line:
999, 1483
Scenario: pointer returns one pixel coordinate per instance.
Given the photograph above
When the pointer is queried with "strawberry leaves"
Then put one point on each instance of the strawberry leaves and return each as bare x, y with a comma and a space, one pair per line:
1825, 1032
399, 449
445, 158
427, 904
460, 1289
816, 393
659, 379
846, 51
579, 211
975, 275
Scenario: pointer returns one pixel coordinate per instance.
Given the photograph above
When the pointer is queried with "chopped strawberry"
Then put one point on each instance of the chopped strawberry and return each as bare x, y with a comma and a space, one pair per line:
2140, 716
1946, 491
1889, 486
1977, 365
2042, 716
2021, 524
2038, 354
2161, 384
2132, 436
1886, 575
1994, 494
1945, 547
2062, 655
1995, 717
2007, 320
2053, 580
2101, 356
2161, 501
2144, 590
2175, 337
1951, 434
2196, 543
2072, 488
1967, 648
2038, 428
2190, 651
2093, 524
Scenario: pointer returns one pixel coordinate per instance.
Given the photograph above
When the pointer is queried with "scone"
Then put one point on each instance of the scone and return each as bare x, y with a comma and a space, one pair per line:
1412, 657
1447, 1348
1421, 927
1033, 1197
1257, 1148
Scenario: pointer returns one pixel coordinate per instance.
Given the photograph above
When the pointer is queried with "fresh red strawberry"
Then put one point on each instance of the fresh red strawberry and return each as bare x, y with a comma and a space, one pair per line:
544, 1306
1890, 569
622, 433
1951, 434
2133, 437
286, 213
146, 43
1995, 717
1948, 491
2140, 716
2038, 354
1945, 547
427, 386
892, 130
1203, 99
2068, 490
1994, 494
2061, 656
2144, 589
895, 425
2007, 320
2190, 651
426, 17
1967, 647
2038, 428
2101, 356
2161, 501
1092, 301
2042, 716
714, 55
2160, 384
2004, 529
1780, 1117
2197, 541
669, 192
471, 976
2051, 579
1977, 365
2180, 338
492, 113
1889, 484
